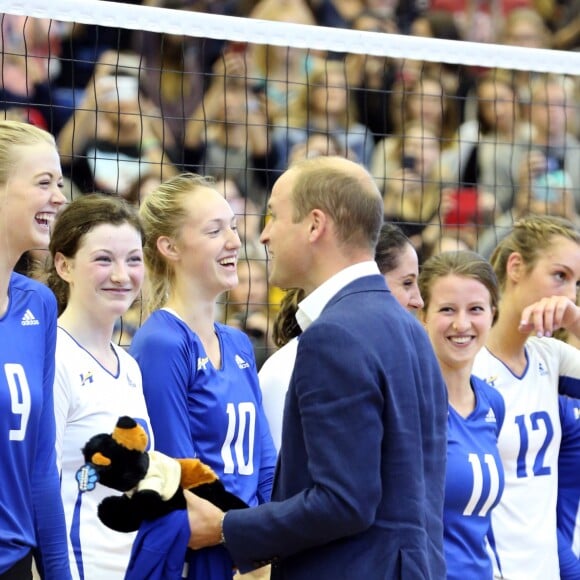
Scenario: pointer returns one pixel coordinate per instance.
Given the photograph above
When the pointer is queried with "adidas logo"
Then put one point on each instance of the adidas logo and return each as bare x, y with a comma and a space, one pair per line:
28, 319
241, 362
490, 417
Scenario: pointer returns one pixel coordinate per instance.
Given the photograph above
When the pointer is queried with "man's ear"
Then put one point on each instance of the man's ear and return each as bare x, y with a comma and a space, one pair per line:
167, 248
62, 266
318, 224
515, 267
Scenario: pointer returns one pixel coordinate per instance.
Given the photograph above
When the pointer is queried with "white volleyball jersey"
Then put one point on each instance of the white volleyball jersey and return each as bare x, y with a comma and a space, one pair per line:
88, 400
524, 522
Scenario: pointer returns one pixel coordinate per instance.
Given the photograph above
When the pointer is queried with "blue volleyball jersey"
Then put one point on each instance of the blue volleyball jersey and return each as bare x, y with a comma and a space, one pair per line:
568, 512
474, 484
31, 511
214, 414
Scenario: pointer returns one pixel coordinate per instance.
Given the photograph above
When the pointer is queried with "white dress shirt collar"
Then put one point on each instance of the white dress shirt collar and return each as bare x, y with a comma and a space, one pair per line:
311, 307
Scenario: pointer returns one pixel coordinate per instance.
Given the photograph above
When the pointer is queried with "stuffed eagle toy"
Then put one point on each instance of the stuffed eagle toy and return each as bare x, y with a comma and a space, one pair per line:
152, 483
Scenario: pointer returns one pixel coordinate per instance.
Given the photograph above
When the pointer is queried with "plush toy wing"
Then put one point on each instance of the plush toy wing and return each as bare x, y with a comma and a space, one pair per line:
201, 480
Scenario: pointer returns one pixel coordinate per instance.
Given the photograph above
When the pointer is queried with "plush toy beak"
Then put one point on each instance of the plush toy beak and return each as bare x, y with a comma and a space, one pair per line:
99, 459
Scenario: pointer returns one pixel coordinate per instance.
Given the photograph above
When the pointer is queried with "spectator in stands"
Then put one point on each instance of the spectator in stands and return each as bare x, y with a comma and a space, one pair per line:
553, 126
279, 72
176, 68
227, 135
408, 171
247, 306
421, 97
525, 27
456, 80
29, 63
324, 105
484, 153
249, 216
115, 134
548, 162
371, 78
566, 25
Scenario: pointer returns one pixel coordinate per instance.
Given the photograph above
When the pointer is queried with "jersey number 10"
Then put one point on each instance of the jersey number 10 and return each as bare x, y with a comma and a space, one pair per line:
241, 436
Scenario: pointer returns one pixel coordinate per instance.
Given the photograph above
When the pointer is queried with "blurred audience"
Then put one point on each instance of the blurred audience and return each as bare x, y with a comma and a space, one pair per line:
324, 105
116, 134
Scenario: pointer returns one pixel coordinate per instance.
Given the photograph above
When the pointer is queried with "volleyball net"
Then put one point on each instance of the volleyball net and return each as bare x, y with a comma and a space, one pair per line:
461, 137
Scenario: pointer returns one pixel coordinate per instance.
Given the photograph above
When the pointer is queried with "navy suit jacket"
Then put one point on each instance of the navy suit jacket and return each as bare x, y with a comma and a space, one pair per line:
359, 484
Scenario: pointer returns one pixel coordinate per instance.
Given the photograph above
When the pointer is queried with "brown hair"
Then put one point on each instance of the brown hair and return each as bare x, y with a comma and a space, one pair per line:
74, 222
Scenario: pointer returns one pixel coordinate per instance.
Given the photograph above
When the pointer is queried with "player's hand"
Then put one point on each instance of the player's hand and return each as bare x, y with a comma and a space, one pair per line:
547, 315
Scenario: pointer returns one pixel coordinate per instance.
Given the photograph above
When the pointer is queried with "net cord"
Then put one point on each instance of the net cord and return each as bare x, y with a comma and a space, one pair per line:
235, 28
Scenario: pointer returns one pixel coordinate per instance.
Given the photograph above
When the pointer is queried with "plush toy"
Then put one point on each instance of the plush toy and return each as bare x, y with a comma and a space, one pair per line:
152, 483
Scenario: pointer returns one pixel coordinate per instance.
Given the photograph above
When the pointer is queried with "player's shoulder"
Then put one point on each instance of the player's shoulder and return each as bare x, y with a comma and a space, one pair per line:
487, 392
21, 283
161, 329
547, 346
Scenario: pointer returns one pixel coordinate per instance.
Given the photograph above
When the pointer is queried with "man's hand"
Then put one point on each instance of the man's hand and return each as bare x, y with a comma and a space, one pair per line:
205, 522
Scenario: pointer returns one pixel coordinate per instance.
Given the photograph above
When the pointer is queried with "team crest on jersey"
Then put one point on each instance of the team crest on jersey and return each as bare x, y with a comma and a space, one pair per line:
542, 369
202, 363
86, 378
491, 380
241, 362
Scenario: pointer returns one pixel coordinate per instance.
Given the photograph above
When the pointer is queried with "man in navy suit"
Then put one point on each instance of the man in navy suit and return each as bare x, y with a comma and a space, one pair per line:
359, 486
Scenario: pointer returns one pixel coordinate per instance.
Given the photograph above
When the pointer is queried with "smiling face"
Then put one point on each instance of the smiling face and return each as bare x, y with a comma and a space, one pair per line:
30, 199
208, 242
458, 319
106, 274
556, 273
402, 281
